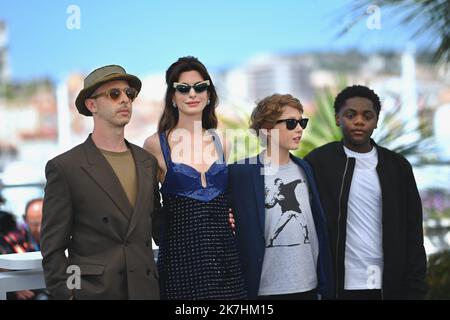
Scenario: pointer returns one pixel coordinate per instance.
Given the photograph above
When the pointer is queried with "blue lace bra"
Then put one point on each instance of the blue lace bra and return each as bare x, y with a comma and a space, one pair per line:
182, 179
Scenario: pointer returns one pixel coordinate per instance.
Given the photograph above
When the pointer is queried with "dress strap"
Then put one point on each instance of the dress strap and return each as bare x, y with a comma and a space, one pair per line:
218, 144
165, 148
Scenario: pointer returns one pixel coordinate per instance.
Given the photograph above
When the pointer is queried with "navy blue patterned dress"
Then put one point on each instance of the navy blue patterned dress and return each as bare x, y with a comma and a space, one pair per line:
198, 257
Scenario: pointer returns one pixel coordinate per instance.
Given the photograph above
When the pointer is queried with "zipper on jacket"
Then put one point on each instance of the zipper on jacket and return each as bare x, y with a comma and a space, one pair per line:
339, 224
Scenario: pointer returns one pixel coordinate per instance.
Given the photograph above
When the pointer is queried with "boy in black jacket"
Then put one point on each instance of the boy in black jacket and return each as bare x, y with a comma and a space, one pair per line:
373, 207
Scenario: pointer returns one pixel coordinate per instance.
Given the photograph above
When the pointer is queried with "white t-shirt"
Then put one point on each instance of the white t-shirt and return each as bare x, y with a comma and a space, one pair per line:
364, 246
290, 260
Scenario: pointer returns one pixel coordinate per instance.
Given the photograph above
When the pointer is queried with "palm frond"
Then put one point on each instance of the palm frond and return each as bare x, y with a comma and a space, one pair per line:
392, 130
430, 18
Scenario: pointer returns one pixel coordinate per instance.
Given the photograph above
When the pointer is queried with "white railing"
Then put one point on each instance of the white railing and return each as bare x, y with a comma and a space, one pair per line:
23, 271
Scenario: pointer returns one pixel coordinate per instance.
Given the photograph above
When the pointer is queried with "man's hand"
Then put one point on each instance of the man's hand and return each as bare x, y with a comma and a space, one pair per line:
231, 220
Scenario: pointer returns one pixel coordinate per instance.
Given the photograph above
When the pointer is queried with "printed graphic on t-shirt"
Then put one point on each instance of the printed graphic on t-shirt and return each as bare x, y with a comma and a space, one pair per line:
290, 214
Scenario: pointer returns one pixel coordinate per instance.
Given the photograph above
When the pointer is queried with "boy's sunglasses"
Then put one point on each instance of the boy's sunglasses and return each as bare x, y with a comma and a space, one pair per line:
115, 93
184, 88
291, 124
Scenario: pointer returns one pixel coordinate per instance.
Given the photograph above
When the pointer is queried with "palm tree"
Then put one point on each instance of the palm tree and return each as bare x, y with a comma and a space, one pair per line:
322, 126
425, 18
322, 129
391, 127
244, 143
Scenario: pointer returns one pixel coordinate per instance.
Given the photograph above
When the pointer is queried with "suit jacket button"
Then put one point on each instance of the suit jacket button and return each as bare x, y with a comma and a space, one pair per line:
148, 272
121, 272
105, 220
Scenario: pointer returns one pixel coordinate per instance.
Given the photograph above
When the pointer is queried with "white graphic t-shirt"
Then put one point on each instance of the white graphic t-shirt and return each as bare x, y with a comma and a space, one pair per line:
290, 258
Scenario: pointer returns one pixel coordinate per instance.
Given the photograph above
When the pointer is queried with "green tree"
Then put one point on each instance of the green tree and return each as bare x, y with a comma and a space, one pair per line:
244, 142
322, 129
438, 277
391, 127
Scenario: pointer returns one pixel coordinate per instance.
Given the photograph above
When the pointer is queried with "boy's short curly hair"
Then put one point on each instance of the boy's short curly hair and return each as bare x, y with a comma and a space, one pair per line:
357, 91
269, 110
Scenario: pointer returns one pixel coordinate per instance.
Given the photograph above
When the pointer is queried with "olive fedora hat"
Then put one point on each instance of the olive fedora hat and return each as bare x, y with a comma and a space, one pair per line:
101, 76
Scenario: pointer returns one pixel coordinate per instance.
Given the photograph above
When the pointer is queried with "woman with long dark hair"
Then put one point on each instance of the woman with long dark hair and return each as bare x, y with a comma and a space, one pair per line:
198, 257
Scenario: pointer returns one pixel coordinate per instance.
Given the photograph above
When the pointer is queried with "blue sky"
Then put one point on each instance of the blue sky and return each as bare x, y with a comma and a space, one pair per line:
147, 36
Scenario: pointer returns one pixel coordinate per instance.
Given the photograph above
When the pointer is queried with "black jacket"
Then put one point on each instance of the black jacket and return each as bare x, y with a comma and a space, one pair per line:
404, 255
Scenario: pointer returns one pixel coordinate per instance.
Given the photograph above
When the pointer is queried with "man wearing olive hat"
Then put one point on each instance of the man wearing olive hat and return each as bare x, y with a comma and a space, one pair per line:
101, 202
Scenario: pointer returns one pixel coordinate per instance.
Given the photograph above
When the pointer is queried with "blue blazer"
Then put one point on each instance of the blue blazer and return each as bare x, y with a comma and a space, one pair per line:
247, 200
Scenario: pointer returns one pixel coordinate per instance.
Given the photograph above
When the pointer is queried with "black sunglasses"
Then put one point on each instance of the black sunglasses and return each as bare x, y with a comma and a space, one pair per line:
184, 88
115, 93
291, 124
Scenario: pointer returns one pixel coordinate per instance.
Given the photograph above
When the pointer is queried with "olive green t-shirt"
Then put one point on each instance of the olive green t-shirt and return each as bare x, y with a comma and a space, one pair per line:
125, 169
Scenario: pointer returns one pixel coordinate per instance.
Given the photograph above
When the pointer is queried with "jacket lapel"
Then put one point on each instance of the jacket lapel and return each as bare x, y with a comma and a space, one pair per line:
144, 180
258, 183
102, 173
318, 215
383, 176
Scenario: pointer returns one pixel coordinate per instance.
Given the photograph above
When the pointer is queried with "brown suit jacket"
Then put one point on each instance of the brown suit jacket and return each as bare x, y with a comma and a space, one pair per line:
86, 211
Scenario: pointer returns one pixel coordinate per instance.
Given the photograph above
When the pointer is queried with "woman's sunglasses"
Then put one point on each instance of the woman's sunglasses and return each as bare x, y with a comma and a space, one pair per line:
184, 88
291, 124
115, 93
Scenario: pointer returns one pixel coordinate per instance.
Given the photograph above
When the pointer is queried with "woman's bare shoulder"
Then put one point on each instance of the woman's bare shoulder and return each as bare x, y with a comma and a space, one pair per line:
152, 144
